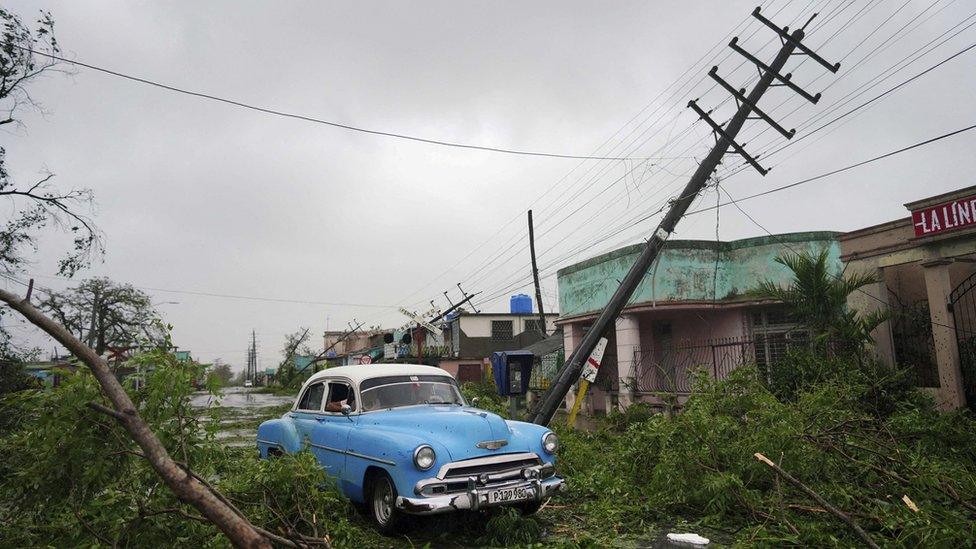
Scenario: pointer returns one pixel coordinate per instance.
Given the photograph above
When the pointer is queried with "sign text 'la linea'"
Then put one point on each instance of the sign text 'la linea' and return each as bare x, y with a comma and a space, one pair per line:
944, 217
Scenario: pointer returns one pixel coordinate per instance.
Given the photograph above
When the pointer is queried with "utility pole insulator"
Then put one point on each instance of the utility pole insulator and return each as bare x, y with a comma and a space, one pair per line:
794, 39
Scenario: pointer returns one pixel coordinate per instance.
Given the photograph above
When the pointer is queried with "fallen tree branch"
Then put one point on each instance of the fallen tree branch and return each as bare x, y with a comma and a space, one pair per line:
107, 411
273, 537
185, 486
819, 499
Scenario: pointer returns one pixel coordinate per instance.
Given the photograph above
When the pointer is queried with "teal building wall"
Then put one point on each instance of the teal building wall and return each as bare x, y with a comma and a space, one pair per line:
686, 270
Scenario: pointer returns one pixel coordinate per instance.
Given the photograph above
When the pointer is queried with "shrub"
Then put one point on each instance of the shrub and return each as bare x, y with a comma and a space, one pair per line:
487, 396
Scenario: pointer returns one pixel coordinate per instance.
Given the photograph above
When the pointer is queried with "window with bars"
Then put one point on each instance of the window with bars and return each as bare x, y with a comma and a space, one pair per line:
533, 326
501, 330
775, 331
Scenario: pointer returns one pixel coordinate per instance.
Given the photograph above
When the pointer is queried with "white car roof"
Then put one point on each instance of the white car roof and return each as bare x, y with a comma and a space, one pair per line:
361, 372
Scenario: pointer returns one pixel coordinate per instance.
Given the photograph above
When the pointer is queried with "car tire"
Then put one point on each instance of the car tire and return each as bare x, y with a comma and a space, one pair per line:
382, 504
530, 508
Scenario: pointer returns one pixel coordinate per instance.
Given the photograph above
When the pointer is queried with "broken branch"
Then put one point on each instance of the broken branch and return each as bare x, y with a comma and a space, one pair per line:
819, 499
187, 488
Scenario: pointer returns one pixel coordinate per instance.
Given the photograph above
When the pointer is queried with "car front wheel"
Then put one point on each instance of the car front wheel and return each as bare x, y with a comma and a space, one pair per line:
382, 504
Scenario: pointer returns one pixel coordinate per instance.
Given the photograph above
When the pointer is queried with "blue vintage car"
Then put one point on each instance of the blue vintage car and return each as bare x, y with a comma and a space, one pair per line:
400, 439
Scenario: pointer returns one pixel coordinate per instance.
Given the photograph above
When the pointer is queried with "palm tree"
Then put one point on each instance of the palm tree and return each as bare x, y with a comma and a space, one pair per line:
818, 298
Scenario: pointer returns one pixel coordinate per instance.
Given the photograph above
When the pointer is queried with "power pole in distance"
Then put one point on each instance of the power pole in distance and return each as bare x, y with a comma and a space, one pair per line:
253, 359
725, 138
535, 278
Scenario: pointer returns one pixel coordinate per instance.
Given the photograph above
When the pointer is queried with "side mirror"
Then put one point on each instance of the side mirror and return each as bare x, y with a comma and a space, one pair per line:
346, 409
475, 401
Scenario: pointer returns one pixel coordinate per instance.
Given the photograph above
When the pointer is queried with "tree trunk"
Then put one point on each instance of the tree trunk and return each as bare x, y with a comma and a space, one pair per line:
187, 488
100, 333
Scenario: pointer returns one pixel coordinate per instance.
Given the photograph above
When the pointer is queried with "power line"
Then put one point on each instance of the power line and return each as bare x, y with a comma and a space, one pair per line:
630, 223
516, 283
511, 251
844, 169
305, 118
246, 297
509, 245
779, 239
866, 86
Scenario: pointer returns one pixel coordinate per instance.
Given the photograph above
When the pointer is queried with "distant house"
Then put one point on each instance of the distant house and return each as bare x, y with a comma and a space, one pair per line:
47, 372
471, 338
349, 349
267, 376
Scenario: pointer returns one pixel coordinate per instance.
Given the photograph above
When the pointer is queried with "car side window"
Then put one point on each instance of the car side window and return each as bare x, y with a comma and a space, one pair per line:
340, 393
312, 399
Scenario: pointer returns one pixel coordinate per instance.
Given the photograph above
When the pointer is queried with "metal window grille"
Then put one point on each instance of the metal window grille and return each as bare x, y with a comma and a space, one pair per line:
501, 330
912, 339
775, 331
533, 326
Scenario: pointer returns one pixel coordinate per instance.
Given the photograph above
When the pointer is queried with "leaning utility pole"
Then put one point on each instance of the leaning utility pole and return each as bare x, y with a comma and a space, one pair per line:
318, 358
725, 138
535, 278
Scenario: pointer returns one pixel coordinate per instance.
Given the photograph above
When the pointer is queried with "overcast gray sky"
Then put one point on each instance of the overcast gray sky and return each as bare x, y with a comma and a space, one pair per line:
205, 197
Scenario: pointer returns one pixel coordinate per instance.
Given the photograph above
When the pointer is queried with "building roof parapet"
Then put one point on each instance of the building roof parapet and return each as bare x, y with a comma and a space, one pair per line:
723, 246
938, 199
686, 305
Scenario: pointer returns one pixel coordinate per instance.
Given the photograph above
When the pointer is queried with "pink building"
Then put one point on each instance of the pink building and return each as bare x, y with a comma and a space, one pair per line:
693, 311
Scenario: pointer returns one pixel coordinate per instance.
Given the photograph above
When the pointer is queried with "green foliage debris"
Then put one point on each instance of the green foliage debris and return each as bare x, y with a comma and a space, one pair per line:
863, 449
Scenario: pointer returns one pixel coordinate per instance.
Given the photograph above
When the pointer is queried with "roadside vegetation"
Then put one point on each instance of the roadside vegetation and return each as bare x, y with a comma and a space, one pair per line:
859, 440
856, 456
69, 476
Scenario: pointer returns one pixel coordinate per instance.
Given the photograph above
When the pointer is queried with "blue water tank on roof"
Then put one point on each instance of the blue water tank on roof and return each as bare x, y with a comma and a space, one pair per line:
521, 304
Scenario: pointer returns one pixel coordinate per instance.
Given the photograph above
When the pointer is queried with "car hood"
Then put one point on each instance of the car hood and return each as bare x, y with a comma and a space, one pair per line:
457, 429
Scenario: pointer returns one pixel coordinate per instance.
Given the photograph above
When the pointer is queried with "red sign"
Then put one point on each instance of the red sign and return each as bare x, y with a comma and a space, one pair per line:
366, 359
945, 217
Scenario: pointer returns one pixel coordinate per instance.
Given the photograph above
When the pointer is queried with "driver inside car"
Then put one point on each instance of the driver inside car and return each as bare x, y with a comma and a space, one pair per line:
338, 395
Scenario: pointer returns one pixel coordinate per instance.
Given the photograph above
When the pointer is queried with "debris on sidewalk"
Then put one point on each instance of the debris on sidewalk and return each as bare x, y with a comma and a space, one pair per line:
693, 539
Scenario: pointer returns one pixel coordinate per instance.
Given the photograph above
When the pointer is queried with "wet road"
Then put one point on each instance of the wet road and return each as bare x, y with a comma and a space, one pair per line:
240, 398
240, 410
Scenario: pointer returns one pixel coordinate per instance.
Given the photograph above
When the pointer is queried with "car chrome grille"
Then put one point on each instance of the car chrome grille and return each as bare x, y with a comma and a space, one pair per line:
491, 465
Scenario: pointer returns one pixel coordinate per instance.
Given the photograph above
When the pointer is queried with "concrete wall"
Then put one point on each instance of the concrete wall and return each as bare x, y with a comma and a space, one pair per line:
479, 325
686, 271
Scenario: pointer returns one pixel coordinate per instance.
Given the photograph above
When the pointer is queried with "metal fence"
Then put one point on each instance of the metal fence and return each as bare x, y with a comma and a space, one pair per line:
671, 369
545, 371
914, 345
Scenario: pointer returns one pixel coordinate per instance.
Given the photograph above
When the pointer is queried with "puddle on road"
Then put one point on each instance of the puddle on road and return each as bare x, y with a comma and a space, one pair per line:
240, 412
240, 398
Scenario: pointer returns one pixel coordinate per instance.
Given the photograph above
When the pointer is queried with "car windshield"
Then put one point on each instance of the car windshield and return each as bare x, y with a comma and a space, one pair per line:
397, 391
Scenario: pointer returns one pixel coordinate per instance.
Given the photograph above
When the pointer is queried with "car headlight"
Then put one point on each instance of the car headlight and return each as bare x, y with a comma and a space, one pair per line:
424, 457
550, 443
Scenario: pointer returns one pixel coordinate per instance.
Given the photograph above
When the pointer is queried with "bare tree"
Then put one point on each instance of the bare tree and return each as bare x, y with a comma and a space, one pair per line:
37, 204
105, 314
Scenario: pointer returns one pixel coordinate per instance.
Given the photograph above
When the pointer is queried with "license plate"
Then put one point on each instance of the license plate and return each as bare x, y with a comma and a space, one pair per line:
506, 495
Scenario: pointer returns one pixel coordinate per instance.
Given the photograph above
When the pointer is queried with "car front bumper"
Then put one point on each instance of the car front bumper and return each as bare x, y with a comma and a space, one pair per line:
477, 498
